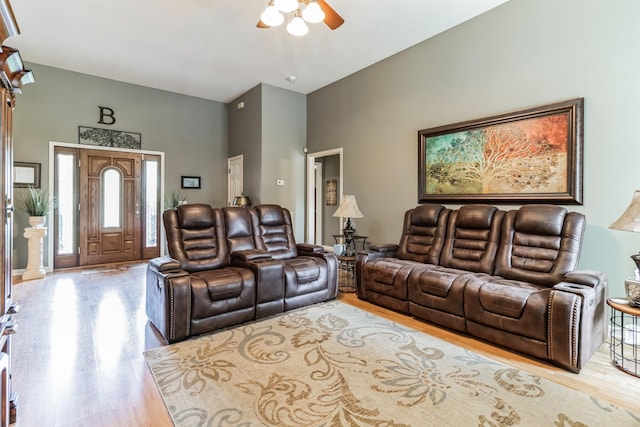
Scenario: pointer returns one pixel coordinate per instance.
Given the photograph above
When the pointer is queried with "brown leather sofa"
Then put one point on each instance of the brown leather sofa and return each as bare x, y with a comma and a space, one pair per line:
231, 265
506, 277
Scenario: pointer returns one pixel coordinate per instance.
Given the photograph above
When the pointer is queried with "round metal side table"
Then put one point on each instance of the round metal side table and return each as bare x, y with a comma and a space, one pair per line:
346, 273
624, 336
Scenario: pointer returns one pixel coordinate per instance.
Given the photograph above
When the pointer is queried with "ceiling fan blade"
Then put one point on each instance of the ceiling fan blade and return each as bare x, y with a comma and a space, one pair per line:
331, 17
261, 24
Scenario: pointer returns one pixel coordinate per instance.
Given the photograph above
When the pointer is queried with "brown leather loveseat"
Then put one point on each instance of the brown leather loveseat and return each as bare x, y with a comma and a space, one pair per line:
506, 277
231, 265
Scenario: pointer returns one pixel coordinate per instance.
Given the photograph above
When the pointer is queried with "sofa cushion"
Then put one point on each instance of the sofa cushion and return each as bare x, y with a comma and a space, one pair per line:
304, 275
195, 216
240, 228
389, 276
275, 232
513, 306
436, 294
503, 300
541, 220
436, 281
473, 235
221, 290
195, 237
539, 244
423, 233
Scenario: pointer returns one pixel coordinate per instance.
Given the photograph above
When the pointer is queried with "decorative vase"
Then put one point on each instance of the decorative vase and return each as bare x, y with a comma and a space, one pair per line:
37, 221
632, 288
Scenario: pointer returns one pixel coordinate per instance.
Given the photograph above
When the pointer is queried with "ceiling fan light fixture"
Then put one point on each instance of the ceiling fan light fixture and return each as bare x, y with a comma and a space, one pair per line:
313, 13
297, 26
286, 6
272, 16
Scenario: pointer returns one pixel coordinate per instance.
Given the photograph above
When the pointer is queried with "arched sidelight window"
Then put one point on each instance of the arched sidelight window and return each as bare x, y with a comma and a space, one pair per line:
111, 198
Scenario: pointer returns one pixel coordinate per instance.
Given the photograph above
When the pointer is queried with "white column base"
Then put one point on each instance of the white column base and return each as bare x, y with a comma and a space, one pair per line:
34, 270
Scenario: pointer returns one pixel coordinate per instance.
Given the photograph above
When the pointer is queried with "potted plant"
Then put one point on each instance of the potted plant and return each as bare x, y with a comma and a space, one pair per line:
37, 204
174, 200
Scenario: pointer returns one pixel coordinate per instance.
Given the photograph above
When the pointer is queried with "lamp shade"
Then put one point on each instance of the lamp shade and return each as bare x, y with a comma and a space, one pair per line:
630, 219
348, 208
241, 201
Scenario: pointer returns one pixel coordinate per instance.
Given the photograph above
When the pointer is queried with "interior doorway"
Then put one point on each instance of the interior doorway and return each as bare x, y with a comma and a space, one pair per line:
235, 171
332, 166
318, 202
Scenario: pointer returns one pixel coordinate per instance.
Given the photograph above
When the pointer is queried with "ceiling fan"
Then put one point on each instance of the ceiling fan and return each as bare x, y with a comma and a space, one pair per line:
314, 11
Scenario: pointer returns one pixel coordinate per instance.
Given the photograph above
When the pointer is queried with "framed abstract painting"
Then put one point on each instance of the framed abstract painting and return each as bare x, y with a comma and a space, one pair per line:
528, 156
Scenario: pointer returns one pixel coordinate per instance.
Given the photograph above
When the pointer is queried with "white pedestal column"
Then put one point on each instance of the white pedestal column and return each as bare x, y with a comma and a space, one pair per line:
34, 270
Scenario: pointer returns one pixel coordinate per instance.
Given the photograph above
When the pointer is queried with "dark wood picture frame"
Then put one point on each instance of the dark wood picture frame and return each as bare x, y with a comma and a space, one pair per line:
190, 182
528, 156
26, 175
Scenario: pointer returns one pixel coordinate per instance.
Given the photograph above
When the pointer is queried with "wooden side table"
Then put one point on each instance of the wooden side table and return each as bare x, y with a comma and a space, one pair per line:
624, 344
346, 273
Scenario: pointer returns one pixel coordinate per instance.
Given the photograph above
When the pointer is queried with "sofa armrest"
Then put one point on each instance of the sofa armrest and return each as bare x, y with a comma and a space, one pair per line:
249, 255
307, 248
166, 265
168, 299
388, 250
362, 257
577, 318
587, 278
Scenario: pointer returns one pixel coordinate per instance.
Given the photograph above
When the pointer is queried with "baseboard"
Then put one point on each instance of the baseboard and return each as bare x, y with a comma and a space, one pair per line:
20, 271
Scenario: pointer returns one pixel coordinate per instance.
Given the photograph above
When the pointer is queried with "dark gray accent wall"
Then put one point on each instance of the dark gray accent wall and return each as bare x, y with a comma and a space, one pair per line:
521, 54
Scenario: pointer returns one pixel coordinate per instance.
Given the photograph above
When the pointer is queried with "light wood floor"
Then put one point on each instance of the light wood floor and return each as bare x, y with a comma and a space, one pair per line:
77, 355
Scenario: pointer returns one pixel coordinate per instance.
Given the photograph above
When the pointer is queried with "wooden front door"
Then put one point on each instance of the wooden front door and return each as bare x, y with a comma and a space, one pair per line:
110, 207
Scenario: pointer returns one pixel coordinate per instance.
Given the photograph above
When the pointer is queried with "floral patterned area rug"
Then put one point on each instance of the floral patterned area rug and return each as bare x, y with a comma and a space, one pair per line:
333, 364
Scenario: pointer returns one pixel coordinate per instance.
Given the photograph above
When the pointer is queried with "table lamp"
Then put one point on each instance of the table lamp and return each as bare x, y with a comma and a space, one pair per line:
630, 221
348, 209
242, 201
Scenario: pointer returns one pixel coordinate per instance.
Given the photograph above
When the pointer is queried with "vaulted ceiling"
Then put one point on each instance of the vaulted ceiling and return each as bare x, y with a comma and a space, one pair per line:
212, 48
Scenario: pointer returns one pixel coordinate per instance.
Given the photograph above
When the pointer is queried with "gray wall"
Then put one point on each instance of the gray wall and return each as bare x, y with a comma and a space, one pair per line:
245, 137
270, 133
521, 54
192, 132
284, 128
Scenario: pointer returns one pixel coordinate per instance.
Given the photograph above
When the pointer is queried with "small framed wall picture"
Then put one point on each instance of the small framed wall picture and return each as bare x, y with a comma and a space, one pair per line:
332, 192
190, 182
26, 175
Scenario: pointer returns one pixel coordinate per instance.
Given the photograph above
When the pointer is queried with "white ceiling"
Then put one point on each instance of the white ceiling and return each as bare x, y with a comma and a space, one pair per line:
212, 48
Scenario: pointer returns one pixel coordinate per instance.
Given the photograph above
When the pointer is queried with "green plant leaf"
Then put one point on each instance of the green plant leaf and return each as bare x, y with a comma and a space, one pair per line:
36, 202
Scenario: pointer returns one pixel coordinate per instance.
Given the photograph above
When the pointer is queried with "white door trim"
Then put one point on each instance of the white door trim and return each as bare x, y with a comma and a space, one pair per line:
233, 185
318, 184
311, 160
